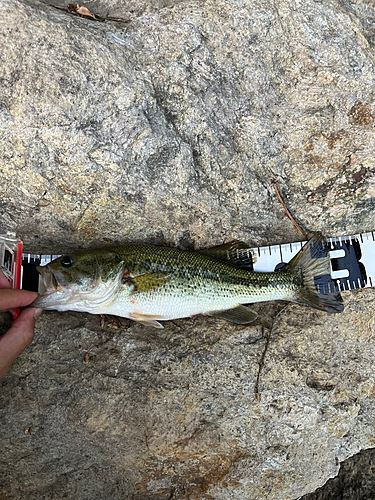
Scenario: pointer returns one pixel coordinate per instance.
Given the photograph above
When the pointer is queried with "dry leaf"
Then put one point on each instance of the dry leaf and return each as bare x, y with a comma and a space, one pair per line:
72, 7
84, 12
75, 8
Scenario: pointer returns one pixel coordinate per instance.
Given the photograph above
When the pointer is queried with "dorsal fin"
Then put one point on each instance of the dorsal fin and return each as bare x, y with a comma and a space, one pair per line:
235, 251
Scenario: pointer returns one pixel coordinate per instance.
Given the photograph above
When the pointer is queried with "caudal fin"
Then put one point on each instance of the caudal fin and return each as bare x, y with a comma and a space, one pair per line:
307, 265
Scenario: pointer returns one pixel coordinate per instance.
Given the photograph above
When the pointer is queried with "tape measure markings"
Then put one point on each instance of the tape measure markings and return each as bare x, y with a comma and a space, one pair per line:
352, 261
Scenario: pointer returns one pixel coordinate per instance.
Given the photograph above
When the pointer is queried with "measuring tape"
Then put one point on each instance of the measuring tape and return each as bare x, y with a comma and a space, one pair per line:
352, 262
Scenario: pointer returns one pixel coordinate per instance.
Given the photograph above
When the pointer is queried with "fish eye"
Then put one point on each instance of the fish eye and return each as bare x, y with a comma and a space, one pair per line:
66, 261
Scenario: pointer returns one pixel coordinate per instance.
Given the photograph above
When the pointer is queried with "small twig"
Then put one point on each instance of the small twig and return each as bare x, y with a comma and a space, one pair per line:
117, 19
288, 213
261, 361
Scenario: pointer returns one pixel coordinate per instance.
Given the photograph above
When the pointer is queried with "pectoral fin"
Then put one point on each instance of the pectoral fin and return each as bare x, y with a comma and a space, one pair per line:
148, 281
240, 315
235, 251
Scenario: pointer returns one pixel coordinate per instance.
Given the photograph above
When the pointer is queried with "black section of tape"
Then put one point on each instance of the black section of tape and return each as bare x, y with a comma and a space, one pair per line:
350, 261
30, 277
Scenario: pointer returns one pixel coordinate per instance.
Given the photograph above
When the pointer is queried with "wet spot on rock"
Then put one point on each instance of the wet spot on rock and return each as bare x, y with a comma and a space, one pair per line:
320, 192
360, 114
360, 175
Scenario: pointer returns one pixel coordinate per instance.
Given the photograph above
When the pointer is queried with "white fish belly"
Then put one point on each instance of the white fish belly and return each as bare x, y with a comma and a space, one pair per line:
172, 307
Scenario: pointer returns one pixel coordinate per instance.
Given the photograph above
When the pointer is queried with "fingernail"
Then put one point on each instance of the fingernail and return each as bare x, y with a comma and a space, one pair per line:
38, 312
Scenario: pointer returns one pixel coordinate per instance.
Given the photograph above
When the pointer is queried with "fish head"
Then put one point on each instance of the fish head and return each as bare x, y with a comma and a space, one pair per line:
81, 281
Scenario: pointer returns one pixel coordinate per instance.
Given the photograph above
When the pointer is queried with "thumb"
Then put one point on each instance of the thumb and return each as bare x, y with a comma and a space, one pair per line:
17, 338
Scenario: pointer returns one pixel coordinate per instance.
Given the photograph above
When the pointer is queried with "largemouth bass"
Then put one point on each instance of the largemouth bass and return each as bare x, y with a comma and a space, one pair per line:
151, 284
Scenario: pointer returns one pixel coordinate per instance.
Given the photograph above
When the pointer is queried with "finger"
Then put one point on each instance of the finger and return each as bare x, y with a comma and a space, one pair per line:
16, 298
17, 338
4, 283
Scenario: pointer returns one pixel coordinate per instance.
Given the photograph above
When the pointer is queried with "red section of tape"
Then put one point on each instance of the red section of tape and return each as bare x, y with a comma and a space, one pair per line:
17, 275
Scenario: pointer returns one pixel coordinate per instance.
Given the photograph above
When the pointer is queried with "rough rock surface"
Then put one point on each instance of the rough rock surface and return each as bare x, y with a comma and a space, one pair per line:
355, 481
179, 120
171, 129
172, 413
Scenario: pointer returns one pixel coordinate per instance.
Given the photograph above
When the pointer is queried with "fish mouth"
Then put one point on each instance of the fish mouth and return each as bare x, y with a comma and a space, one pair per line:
52, 280
61, 295
53, 288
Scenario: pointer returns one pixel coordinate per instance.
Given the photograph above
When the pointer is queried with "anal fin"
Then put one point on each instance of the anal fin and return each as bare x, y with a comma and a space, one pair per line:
240, 315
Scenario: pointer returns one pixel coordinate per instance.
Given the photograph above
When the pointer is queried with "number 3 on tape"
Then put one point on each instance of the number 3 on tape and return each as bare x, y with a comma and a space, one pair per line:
352, 261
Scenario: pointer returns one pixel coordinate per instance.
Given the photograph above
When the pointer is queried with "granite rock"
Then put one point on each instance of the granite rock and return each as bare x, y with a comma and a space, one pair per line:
122, 410
355, 481
178, 121
171, 129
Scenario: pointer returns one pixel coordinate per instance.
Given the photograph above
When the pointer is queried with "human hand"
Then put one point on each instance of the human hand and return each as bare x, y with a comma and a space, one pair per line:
21, 333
